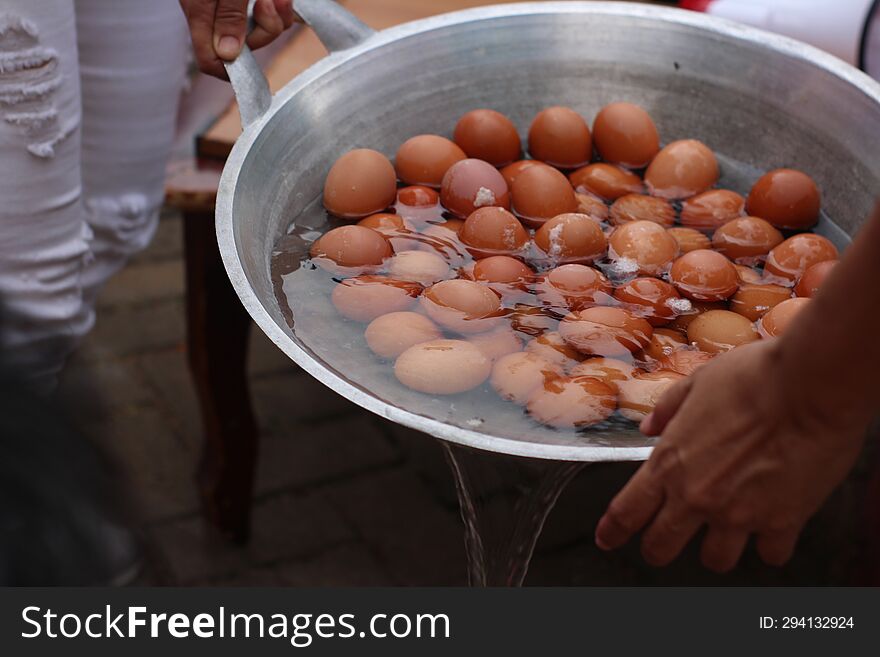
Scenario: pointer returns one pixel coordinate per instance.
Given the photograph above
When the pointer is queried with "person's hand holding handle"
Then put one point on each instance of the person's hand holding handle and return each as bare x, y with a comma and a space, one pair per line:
219, 28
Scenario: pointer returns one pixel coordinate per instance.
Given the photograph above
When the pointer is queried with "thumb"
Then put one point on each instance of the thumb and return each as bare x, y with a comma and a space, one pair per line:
230, 28
666, 408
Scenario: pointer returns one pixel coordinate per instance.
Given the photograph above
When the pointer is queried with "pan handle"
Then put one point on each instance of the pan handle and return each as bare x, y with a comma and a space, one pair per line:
337, 29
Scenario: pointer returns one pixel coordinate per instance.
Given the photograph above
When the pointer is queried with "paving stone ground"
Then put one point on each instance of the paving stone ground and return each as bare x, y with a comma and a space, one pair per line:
342, 496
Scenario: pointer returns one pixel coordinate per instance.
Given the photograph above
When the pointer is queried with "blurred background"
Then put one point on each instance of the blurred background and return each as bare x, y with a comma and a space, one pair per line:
341, 497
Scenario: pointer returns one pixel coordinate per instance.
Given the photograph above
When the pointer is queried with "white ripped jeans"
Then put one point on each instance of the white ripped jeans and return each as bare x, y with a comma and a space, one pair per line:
89, 91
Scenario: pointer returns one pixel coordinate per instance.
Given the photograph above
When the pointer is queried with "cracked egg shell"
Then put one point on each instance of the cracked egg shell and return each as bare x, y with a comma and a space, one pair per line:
573, 287
592, 207
516, 376
605, 331
462, 306
442, 367
665, 341
364, 298
704, 275
493, 231
644, 245
689, 239
794, 256
685, 361
682, 169
572, 403
553, 348
360, 183
571, 237
425, 159
649, 298
473, 184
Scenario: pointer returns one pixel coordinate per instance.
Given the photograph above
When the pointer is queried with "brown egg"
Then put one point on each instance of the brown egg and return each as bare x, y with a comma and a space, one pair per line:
697, 308
650, 299
665, 341
610, 371
473, 184
777, 321
560, 137
746, 240
488, 135
425, 159
638, 396
511, 172
682, 169
360, 183
571, 238
786, 198
573, 287
364, 298
574, 403
497, 343
442, 367
541, 193
353, 247
493, 231
516, 376
689, 239
606, 181
642, 247
748, 275
711, 210
625, 134
390, 335
502, 269
685, 361
794, 256
551, 347
603, 331
419, 266
704, 276
813, 278
418, 196
754, 301
638, 207
592, 207
462, 306
717, 331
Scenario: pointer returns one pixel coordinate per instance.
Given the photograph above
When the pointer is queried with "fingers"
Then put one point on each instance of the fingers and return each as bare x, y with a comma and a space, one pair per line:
285, 10
230, 28
666, 408
630, 510
776, 548
672, 529
722, 548
200, 16
269, 24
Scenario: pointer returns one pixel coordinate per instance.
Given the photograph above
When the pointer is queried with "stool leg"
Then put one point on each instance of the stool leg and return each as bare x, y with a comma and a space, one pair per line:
217, 335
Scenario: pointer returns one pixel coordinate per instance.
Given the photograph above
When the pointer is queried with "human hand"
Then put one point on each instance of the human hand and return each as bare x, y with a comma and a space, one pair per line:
219, 28
745, 449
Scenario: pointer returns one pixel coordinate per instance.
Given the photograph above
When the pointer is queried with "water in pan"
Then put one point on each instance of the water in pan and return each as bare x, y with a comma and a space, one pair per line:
303, 293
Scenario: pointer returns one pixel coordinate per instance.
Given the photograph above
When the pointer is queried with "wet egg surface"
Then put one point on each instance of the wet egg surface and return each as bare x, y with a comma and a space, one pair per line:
552, 299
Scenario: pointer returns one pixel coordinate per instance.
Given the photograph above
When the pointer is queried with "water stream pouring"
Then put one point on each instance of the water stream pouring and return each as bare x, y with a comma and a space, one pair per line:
760, 98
